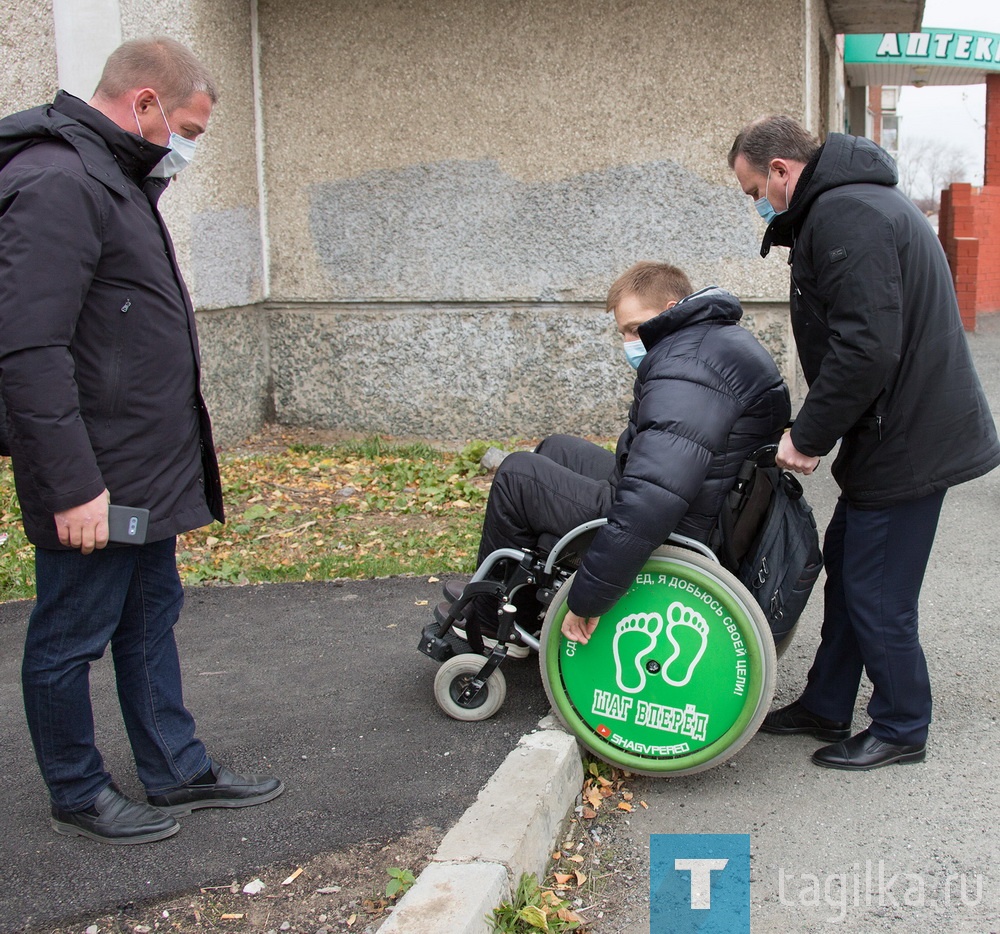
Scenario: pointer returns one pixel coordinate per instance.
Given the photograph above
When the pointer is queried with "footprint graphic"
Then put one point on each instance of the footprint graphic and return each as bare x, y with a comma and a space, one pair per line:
635, 638
688, 633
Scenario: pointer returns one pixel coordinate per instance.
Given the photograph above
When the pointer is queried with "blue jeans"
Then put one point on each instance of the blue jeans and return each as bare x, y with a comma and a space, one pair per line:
129, 597
875, 561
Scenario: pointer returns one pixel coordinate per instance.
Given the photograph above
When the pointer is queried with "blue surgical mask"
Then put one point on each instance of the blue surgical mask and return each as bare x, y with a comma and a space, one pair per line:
634, 352
764, 207
181, 155
181, 149
765, 210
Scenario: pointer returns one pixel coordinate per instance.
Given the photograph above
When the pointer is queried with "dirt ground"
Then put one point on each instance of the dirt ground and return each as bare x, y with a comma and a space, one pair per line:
345, 891
332, 892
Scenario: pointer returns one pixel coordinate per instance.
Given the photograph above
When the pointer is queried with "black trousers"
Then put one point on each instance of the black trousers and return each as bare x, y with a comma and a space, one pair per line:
563, 483
875, 562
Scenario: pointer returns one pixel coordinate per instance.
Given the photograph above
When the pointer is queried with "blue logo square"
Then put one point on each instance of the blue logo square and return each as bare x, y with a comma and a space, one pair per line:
699, 883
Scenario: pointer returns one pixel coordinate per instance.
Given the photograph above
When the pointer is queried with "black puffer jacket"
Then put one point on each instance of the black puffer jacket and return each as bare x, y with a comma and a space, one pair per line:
879, 335
98, 353
705, 396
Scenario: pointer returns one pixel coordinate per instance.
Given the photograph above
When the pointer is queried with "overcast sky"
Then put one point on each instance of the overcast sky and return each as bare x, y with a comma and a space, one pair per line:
956, 113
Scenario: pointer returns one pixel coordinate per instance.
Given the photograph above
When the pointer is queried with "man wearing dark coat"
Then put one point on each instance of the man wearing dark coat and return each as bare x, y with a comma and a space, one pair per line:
890, 376
100, 374
706, 395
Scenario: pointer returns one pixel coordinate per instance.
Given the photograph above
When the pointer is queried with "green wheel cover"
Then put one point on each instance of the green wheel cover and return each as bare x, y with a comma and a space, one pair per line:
677, 676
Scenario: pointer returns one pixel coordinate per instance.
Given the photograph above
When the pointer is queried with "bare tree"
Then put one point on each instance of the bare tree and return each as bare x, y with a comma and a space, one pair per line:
926, 165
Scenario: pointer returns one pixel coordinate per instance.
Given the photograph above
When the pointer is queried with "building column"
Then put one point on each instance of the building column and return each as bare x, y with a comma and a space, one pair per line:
87, 32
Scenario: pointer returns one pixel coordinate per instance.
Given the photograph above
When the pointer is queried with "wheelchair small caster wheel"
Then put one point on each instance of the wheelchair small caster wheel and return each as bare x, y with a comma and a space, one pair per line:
455, 675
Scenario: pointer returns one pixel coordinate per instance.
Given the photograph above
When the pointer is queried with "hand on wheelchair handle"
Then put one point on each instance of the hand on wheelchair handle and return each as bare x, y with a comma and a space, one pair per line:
790, 458
578, 628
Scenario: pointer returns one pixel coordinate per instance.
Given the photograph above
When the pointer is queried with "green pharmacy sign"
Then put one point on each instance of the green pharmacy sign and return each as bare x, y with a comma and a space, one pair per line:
952, 48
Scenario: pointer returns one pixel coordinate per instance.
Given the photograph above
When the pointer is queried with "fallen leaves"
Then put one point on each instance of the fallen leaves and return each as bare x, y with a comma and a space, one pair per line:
599, 789
535, 908
566, 879
410, 509
576, 875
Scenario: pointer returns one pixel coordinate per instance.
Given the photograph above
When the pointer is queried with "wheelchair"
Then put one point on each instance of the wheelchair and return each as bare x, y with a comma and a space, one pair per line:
676, 678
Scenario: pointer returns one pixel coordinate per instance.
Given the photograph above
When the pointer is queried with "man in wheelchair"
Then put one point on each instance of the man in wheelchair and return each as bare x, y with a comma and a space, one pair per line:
706, 395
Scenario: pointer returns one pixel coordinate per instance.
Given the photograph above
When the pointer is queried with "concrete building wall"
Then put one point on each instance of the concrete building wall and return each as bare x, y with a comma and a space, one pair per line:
481, 172
214, 211
406, 213
27, 55
432, 150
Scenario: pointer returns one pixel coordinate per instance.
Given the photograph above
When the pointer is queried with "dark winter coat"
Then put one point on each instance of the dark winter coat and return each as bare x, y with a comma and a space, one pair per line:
879, 335
706, 395
99, 360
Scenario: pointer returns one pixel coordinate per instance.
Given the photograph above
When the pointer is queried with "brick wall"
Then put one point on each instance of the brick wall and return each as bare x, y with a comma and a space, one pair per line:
969, 225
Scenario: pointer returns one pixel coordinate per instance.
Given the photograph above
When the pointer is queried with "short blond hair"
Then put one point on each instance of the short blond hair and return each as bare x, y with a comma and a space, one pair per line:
656, 284
163, 64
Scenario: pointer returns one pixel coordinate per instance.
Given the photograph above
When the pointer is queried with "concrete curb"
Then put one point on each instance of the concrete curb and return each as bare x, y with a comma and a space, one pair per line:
510, 829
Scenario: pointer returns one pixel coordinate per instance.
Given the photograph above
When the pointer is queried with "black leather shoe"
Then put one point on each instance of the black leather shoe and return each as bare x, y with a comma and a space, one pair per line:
229, 790
796, 719
113, 818
453, 590
864, 751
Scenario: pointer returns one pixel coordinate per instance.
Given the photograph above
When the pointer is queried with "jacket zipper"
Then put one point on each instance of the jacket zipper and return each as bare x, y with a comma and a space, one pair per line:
121, 343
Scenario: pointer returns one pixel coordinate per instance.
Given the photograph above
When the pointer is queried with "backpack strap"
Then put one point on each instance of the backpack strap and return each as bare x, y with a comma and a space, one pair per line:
736, 502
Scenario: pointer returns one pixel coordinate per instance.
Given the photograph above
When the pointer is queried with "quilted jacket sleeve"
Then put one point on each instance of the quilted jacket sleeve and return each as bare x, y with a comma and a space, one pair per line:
681, 417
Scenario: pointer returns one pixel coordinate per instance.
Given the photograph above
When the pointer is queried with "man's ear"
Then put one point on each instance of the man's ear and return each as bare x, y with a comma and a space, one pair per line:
779, 167
144, 98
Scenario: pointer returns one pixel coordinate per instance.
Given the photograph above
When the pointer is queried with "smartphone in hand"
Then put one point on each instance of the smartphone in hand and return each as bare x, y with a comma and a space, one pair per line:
127, 524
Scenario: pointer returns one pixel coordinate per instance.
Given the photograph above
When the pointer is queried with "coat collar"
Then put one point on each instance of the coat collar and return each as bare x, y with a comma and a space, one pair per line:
706, 305
134, 155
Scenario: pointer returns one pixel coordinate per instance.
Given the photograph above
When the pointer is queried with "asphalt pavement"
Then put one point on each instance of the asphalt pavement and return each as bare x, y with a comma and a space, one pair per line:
318, 683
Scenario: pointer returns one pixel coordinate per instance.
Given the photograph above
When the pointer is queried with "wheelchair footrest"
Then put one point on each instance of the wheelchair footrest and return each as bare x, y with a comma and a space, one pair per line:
441, 648
434, 646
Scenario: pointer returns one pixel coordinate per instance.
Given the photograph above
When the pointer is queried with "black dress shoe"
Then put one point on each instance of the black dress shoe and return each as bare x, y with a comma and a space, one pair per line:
113, 818
864, 751
220, 788
796, 719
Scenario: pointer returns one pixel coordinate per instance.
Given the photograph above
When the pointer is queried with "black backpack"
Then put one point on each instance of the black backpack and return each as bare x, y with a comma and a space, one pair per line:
767, 537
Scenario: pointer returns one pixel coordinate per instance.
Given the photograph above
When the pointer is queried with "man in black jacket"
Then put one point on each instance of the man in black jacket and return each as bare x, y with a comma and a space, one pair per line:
706, 395
890, 376
99, 370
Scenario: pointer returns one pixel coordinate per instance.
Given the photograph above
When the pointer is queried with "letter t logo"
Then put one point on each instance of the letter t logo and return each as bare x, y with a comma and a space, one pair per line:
699, 883
701, 878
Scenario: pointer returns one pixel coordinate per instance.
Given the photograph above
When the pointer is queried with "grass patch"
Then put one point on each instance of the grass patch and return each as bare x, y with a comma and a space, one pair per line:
304, 511
17, 556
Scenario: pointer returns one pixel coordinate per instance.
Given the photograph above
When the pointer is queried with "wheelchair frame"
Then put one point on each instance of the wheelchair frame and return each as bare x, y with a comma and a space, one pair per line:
469, 687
